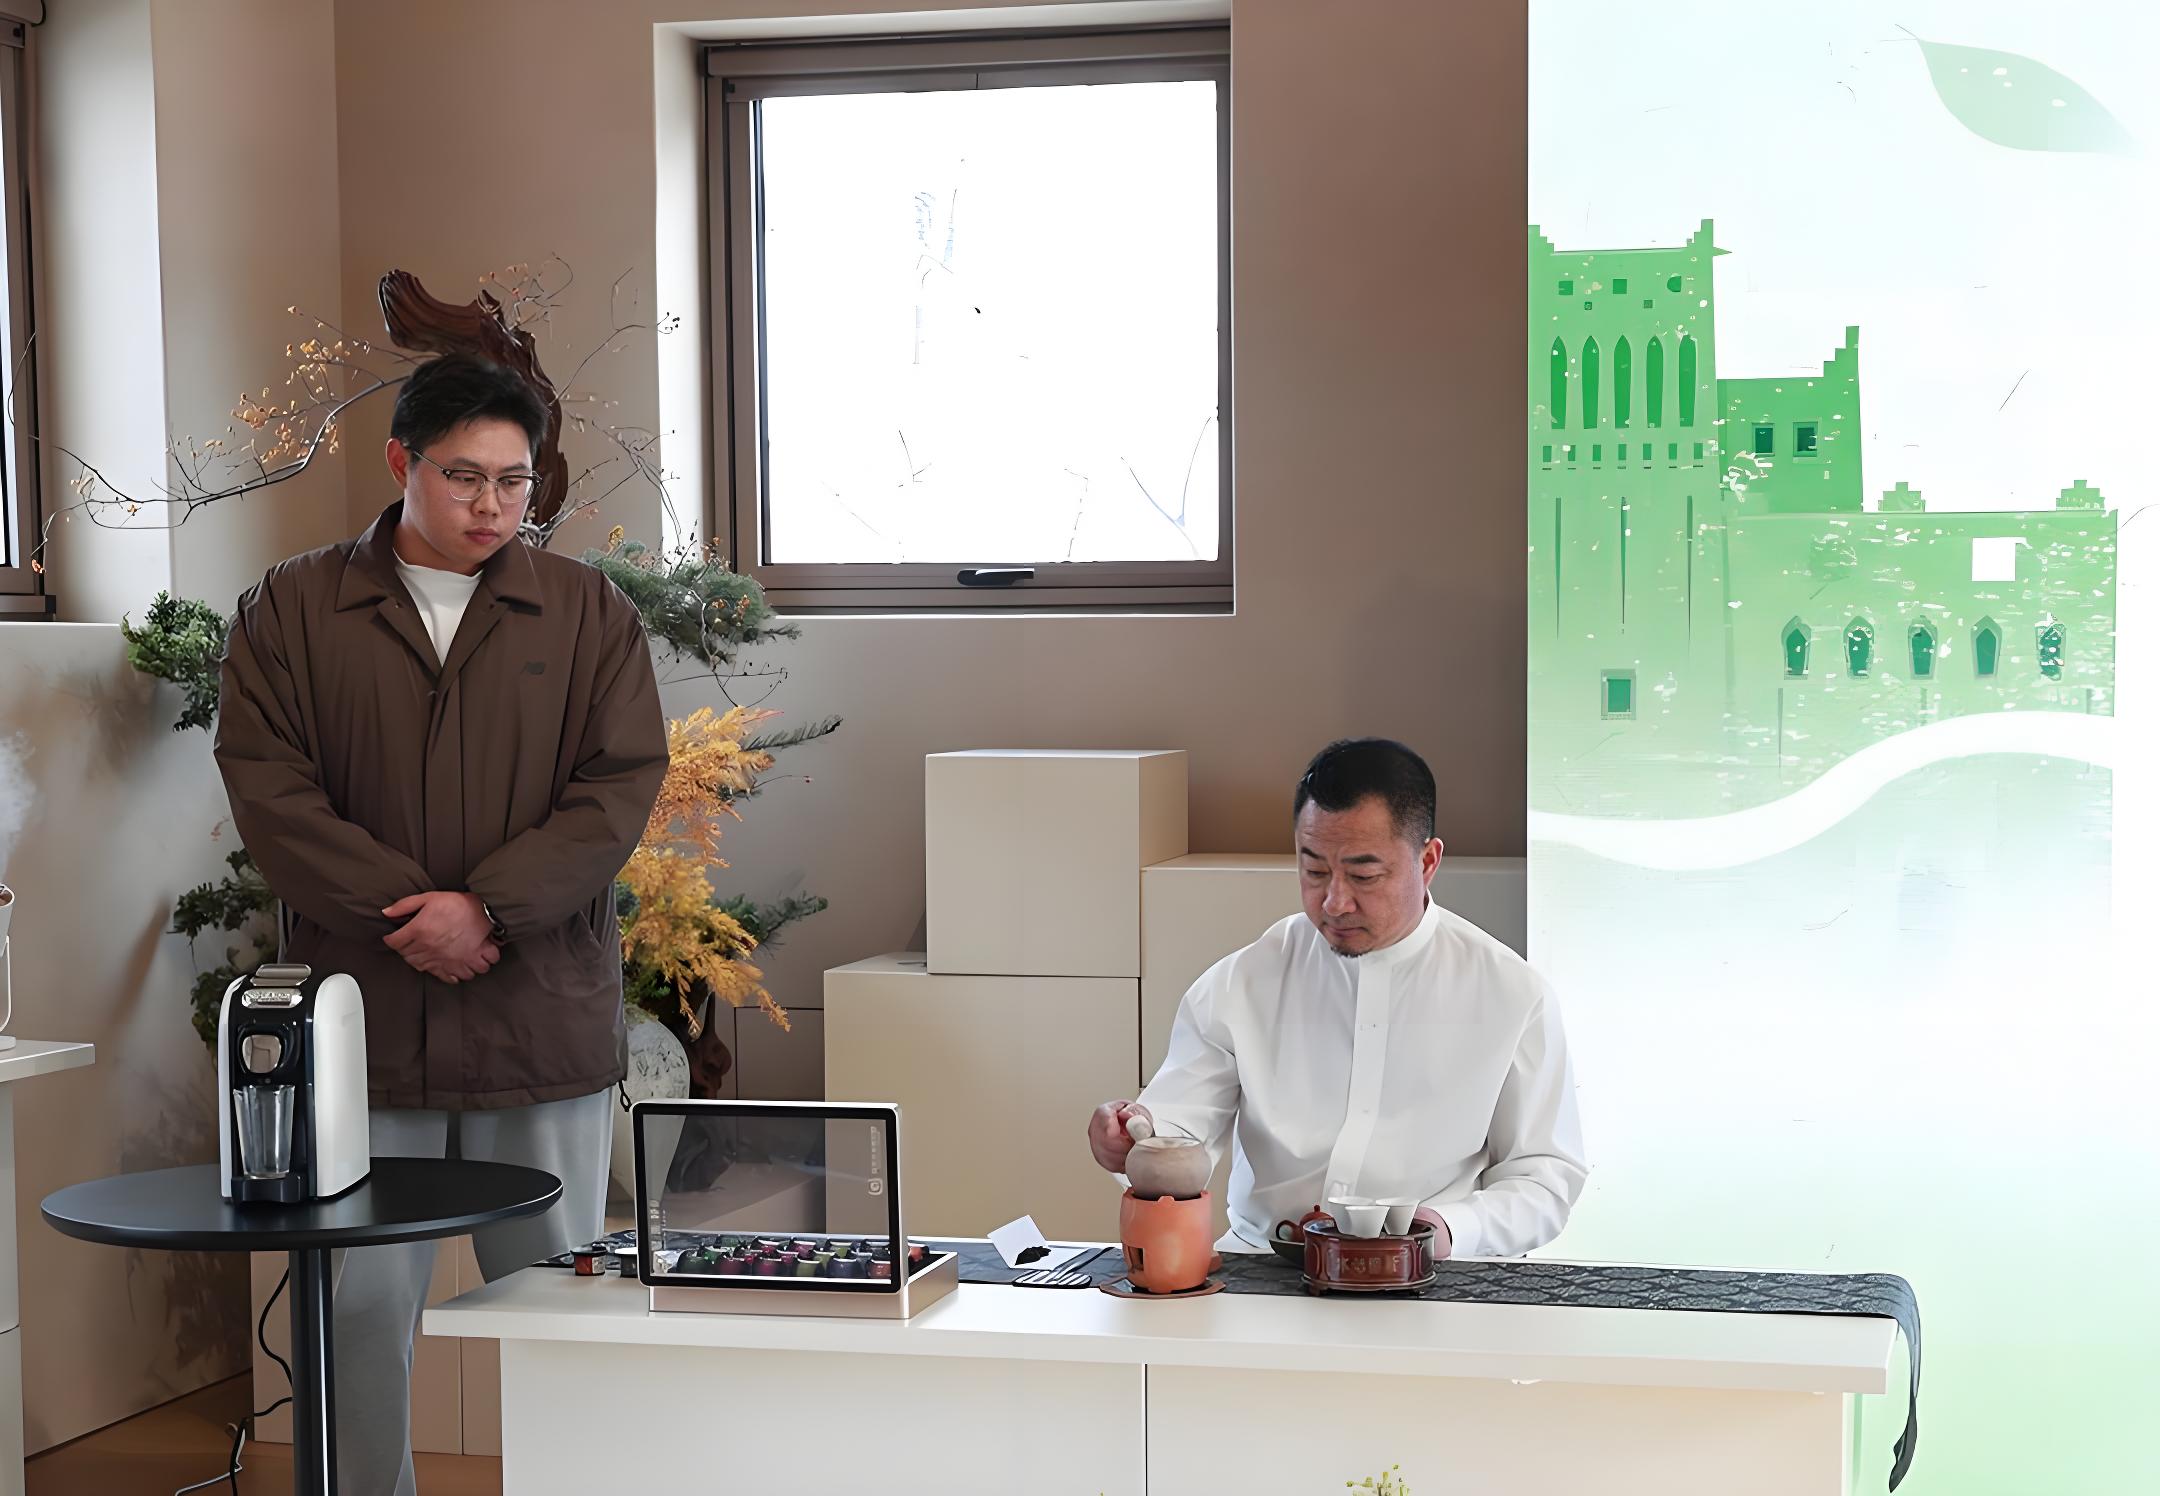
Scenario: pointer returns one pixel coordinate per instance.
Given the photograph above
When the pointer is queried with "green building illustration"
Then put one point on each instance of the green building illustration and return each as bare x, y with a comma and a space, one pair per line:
1717, 615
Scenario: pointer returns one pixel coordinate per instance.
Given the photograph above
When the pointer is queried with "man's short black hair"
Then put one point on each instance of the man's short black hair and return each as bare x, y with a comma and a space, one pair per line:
447, 392
1353, 770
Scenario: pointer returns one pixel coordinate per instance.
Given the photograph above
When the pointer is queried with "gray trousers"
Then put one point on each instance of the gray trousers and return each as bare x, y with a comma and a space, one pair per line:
378, 1293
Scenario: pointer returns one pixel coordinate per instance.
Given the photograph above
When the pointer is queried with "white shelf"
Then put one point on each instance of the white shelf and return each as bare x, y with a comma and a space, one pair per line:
42, 1057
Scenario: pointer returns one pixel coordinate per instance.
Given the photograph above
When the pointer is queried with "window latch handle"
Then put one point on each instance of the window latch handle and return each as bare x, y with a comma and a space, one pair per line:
996, 576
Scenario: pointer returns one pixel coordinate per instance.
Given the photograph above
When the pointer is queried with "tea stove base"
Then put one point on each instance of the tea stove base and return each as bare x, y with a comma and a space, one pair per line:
1125, 1288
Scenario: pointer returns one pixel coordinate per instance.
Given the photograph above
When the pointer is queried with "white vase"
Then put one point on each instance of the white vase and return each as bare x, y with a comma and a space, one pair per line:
659, 1070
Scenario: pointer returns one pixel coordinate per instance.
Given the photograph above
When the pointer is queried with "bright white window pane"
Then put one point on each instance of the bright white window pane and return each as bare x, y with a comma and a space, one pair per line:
990, 325
1994, 558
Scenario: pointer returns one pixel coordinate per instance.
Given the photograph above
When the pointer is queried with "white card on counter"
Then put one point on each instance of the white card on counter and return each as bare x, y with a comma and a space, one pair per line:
1015, 1238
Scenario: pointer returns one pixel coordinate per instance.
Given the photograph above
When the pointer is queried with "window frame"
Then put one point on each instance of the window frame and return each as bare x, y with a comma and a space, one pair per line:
22, 588
740, 75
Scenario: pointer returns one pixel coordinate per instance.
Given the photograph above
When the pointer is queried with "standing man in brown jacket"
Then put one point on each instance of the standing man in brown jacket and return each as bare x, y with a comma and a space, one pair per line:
441, 744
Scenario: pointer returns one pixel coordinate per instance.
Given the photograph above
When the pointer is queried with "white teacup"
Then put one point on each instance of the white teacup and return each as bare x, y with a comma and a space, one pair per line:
1358, 1217
1400, 1214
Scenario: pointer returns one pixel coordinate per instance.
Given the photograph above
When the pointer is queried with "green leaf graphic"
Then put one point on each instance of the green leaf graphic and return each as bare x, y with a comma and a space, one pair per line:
2017, 102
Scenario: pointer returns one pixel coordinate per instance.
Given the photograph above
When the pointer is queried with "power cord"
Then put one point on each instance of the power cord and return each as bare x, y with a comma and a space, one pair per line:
232, 1462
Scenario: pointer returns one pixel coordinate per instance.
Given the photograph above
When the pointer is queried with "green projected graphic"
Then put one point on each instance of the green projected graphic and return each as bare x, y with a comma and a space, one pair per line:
1844, 700
1748, 593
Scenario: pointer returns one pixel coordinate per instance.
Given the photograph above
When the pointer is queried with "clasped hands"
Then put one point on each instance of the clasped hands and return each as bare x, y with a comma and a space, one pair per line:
445, 935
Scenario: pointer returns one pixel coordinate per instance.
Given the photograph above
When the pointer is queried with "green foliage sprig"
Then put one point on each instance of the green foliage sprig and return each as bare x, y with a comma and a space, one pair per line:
181, 640
238, 903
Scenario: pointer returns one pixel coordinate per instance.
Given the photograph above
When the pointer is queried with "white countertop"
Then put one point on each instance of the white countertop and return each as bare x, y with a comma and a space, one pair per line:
42, 1057
1618, 1347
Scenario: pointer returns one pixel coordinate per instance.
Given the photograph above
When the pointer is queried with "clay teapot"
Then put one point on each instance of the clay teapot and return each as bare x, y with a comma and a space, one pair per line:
1172, 1168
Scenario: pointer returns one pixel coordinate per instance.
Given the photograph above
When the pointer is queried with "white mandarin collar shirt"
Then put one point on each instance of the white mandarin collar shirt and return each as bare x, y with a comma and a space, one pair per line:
1433, 1070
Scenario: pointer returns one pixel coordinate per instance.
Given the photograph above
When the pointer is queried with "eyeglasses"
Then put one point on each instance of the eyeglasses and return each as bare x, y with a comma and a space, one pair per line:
466, 484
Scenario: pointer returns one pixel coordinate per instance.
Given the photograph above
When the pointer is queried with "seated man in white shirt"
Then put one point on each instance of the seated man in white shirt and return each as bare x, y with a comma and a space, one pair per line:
1375, 1046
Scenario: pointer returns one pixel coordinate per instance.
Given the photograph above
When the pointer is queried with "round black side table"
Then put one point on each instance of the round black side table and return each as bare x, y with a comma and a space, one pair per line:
401, 1200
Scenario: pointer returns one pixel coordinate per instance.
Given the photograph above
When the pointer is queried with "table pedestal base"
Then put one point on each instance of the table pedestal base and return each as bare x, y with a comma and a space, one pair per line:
314, 1397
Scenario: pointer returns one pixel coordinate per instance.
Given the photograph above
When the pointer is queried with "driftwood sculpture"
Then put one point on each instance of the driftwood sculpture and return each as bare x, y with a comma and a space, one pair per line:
421, 323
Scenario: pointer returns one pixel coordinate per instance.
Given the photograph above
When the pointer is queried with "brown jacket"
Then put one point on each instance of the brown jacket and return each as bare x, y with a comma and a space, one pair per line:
522, 770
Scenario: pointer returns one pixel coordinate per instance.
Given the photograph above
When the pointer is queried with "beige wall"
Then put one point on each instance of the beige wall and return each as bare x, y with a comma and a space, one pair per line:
124, 818
247, 225
1378, 209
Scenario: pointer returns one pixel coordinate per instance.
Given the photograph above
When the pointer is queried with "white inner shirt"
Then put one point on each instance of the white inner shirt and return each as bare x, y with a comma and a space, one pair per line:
441, 597
1433, 1070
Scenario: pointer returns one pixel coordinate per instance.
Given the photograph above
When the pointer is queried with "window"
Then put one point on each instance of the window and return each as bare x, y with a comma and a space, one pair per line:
1987, 648
1654, 381
1765, 440
1672, 282
1994, 557
22, 590
1698, 451
1619, 285
1647, 303
1687, 381
1804, 439
1672, 451
1859, 646
1597, 452
1616, 694
1645, 451
1567, 288
1589, 384
2050, 644
1923, 651
971, 319
1557, 375
1623, 382
1548, 452
1796, 640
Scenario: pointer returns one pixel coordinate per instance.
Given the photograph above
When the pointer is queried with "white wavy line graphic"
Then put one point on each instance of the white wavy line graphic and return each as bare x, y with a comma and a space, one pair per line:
1691, 844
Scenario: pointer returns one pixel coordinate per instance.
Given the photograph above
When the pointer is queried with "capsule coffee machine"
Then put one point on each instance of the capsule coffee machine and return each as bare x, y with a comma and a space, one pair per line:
292, 1073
